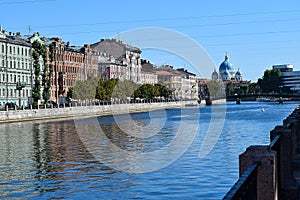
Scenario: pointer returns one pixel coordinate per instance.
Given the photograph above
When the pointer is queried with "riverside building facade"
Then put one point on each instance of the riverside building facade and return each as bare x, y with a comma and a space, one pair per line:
126, 63
16, 67
181, 82
71, 64
290, 78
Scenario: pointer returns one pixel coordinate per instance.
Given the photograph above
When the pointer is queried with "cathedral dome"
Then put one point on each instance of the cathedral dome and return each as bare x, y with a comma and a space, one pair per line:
226, 73
226, 65
215, 75
238, 75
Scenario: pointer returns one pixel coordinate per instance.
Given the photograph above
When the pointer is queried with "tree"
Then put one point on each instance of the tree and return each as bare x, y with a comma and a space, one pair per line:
105, 89
37, 52
100, 90
271, 81
163, 90
48, 69
83, 89
115, 88
254, 88
124, 89
146, 91
109, 86
214, 88
230, 89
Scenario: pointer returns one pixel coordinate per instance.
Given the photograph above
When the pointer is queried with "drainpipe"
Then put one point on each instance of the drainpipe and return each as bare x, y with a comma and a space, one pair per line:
6, 72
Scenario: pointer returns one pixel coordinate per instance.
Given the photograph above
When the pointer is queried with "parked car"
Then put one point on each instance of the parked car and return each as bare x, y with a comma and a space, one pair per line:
11, 105
53, 103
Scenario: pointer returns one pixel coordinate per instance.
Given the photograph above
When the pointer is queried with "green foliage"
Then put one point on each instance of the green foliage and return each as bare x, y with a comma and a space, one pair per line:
115, 88
146, 91
253, 88
215, 88
100, 90
70, 92
163, 90
230, 89
83, 89
105, 89
124, 89
37, 50
48, 71
271, 81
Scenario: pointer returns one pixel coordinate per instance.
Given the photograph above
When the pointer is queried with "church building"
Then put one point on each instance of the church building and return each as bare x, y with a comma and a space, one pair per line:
227, 72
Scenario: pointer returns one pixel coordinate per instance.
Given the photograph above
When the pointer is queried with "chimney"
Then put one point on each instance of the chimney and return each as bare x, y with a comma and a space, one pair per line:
0, 28
18, 34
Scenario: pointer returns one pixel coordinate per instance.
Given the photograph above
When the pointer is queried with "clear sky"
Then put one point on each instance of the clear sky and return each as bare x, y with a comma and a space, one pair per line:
256, 34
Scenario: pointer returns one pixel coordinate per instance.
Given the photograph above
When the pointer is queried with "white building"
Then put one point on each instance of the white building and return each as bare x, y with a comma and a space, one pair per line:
181, 82
148, 75
290, 78
16, 67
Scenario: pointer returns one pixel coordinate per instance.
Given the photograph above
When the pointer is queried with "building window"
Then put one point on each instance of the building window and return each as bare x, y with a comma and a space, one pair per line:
3, 48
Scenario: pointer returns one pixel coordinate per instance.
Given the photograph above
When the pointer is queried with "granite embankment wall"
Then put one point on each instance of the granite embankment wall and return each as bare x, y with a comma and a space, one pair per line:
80, 111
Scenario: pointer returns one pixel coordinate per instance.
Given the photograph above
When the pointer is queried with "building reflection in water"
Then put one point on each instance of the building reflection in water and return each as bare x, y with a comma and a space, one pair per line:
44, 158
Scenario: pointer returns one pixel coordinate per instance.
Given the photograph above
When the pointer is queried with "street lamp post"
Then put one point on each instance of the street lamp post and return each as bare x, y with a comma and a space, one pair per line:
280, 88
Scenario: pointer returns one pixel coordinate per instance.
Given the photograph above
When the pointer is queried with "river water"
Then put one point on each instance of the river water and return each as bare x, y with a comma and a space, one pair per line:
168, 154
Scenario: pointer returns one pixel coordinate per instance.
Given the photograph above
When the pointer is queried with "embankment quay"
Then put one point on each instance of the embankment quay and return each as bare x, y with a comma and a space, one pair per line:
78, 110
271, 171
254, 97
99, 110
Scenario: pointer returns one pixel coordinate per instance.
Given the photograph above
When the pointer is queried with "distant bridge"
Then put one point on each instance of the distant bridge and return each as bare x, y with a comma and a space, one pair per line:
253, 97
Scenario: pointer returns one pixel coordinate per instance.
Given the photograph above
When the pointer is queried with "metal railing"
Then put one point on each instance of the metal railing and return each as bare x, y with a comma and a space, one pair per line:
246, 186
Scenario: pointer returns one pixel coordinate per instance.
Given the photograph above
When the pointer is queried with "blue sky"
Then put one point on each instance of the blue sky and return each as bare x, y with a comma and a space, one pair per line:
256, 34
